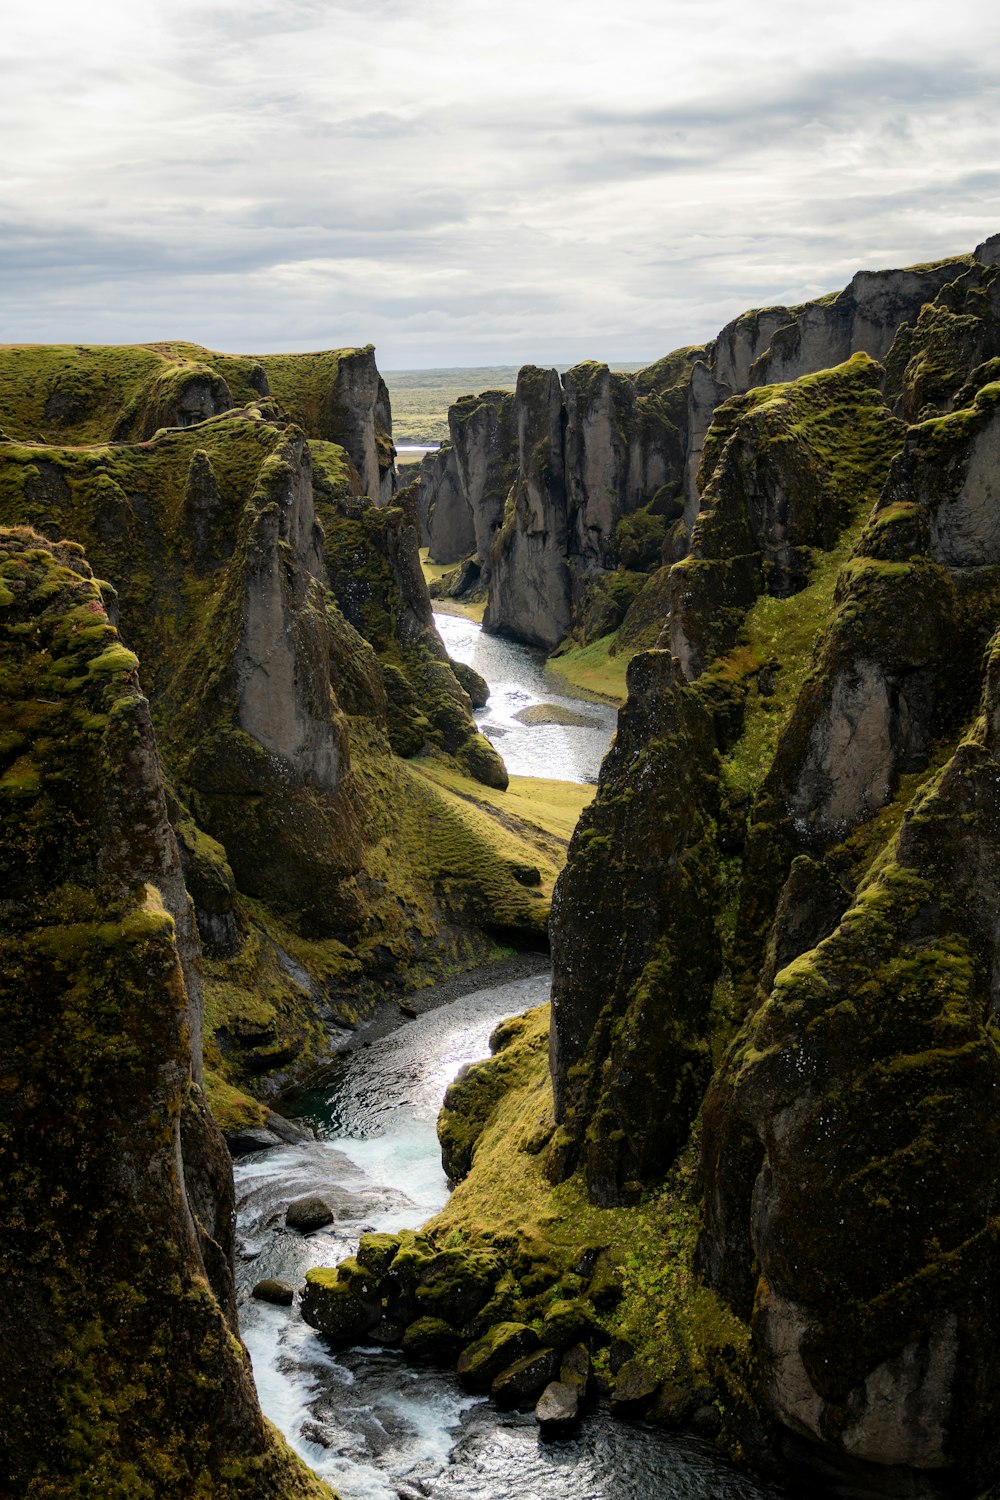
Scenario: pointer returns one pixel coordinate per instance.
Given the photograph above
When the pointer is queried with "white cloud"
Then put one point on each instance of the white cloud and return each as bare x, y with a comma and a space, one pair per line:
467, 182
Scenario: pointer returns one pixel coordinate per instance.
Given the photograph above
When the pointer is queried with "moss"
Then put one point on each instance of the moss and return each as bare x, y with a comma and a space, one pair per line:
135, 1385
785, 469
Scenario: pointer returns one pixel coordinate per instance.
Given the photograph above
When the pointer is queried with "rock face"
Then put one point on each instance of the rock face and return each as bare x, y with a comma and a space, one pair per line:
866, 1085
774, 942
633, 445
633, 969
291, 661
117, 1197
531, 578
447, 525
780, 477
600, 459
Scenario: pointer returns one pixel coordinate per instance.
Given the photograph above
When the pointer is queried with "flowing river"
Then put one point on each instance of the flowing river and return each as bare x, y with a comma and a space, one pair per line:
570, 747
374, 1426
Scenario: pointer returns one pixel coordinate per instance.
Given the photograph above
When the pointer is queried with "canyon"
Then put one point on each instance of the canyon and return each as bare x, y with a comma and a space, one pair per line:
743, 1170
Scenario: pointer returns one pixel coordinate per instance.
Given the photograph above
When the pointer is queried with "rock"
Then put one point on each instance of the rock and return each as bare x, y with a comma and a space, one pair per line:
610, 963
271, 1290
432, 1341
376, 1252
568, 1321
520, 1384
575, 1370
105, 1140
480, 1363
245, 1142
558, 1409
484, 439
342, 1303
467, 577
633, 1390
308, 1213
451, 535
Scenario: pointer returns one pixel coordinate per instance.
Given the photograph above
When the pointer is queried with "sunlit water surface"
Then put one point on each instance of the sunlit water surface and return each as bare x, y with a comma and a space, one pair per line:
519, 679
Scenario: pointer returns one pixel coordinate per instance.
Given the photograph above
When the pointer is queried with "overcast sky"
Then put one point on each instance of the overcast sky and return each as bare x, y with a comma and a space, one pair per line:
461, 182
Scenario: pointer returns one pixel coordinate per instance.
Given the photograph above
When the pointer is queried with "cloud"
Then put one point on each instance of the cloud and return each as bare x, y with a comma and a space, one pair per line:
467, 182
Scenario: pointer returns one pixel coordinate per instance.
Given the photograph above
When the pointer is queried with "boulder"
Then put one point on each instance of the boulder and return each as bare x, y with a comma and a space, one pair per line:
480, 1363
558, 1409
308, 1213
431, 1341
272, 1290
521, 1383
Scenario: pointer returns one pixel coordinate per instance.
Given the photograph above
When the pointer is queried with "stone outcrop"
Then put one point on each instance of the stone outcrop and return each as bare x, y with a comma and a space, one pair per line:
117, 1193
633, 968
446, 518
530, 595
774, 943
860, 1094
598, 485
284, 623
784, 472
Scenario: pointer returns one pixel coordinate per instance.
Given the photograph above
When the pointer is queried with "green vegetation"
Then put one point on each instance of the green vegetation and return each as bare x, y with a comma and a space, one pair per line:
598, 668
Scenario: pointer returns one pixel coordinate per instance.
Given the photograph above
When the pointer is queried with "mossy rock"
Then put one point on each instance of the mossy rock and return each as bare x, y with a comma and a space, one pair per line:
376, 1253
481, 1362
522, 1383
341, 1306
431, 1341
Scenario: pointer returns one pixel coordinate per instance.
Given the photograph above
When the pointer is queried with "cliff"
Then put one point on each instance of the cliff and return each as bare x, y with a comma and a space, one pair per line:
754, 1172
123, 1374
600, 478
298, 688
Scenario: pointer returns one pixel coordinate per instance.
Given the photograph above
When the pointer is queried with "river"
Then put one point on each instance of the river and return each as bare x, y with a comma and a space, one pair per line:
520, 683
374, 1426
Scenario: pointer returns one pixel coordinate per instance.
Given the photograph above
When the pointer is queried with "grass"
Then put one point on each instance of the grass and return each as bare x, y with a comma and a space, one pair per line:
594, 669
527, 826
783, 632
550, 807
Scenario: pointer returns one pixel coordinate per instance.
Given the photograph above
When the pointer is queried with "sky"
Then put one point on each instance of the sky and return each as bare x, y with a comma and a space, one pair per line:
469, 183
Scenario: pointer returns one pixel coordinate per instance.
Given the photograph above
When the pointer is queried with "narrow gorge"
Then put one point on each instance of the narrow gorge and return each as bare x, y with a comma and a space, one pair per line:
739, 1177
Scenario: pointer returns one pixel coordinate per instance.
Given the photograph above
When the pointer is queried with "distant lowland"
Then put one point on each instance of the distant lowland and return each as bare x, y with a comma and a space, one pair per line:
421, 398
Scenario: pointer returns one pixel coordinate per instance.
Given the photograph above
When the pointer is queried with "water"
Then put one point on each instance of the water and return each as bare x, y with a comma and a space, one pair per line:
519, 680
365, 1420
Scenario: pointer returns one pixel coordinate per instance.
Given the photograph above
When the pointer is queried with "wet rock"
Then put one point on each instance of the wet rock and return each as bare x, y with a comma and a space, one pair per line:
308, 1213
432, 1341
342, 1303
558, 1409
481, 1363
272, 1290
521, 1383
246, 1142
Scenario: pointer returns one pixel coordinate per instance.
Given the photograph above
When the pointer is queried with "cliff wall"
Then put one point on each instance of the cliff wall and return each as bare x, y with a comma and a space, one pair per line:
773, 1047
123, 1373
292, 664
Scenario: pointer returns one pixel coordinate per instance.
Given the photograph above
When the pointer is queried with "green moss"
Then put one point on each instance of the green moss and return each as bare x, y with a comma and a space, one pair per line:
598, 668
